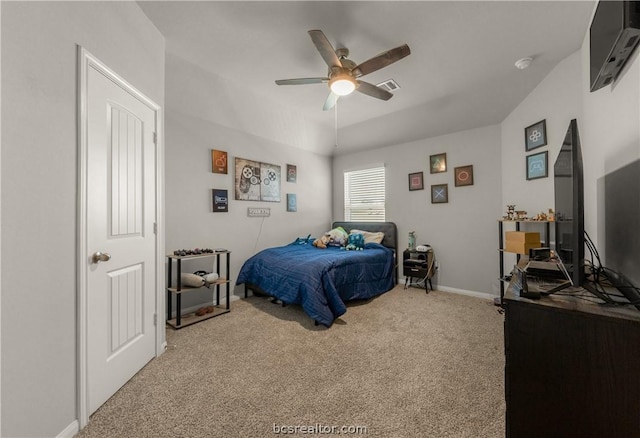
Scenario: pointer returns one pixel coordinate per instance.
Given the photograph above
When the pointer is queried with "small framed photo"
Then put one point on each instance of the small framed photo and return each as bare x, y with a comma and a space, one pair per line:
537, 165
439, 193
416, 181
218, 161
463, 175
438, 163
292, 173
220, 200
535, 135
292, 202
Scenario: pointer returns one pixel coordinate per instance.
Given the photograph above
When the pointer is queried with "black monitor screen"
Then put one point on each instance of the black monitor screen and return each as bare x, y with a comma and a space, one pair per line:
622, 242
569, 204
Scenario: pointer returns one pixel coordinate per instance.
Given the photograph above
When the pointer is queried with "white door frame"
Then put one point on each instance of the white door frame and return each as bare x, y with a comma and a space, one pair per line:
86, 61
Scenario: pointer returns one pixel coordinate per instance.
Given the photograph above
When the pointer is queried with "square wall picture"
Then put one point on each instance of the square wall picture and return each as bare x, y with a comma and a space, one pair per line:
537, 166
416, 181
220, 200
535, 135
218, 161
463, 176
438, 163
439, 194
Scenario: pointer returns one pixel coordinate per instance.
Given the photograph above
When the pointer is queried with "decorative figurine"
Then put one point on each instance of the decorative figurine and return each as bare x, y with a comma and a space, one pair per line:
511, 210
542, 216
412, 239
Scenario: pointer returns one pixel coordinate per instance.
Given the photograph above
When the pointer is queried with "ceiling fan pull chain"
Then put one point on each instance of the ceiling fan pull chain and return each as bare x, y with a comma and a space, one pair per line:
336, 122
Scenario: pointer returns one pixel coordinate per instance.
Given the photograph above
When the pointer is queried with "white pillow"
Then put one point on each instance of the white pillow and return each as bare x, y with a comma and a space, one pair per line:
191, 280
370, 237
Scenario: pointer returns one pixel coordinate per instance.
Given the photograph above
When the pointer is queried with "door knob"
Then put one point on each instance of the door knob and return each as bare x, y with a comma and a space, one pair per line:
100, 257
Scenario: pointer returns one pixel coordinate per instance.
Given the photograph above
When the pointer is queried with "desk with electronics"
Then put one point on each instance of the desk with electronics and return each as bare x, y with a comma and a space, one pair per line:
572, 360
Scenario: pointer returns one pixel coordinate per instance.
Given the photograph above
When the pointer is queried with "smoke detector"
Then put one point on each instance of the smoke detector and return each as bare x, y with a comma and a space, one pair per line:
523, 63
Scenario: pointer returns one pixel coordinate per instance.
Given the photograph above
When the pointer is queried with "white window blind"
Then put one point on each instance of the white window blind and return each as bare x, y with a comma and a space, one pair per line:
364, 195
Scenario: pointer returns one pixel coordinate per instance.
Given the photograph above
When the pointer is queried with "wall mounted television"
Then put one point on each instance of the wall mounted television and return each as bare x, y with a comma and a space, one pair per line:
613, 35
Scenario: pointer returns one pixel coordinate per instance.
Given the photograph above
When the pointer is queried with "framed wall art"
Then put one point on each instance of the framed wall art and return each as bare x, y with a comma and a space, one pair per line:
220, 200
218, 161
292, 173
537, 165
416, 181
463, 175
438, 163
440, 193
255, 181
535, 135
292, 202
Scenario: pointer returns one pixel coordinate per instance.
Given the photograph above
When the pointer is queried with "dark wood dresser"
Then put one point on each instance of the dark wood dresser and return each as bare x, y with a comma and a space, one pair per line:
572, 368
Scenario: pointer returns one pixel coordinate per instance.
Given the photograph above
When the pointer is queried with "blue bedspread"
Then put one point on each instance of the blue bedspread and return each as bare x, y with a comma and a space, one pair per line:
320, 280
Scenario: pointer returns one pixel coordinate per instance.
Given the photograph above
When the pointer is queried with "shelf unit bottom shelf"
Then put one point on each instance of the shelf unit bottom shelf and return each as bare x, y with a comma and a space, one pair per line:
192, 318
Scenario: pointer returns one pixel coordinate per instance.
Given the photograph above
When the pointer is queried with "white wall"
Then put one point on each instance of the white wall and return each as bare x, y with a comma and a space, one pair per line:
38, 202
608, 125
462, 232
558, 100
611, 137
609, 128
205, 112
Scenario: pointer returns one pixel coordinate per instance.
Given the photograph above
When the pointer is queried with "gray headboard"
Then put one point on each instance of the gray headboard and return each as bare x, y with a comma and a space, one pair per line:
388, 228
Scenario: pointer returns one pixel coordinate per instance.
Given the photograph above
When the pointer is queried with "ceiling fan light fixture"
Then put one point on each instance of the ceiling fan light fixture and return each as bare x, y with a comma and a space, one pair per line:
342, 84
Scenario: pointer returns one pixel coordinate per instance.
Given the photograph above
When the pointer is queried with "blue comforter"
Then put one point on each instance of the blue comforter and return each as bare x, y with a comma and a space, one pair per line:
320, 280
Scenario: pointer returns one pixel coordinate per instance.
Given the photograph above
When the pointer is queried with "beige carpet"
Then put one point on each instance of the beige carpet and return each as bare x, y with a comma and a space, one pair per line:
405, 364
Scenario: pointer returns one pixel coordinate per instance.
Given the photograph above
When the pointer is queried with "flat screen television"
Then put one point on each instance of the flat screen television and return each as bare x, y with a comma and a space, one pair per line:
569, 205
613, 35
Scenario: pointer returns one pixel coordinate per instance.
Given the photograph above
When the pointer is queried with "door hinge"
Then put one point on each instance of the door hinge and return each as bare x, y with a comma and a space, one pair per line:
155, 228
155, 319
155, 138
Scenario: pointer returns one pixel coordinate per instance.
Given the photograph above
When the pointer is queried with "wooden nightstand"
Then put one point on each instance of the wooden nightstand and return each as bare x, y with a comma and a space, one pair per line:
418, 265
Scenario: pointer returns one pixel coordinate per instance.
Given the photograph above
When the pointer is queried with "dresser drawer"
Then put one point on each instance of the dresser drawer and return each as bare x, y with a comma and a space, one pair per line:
414, 271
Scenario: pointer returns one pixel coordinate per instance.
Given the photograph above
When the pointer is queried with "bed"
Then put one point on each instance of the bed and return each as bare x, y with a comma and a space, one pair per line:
321, 281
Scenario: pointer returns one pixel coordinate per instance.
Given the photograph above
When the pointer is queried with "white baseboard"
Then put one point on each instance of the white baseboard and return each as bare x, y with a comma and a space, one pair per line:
471, 293
70, 430
163, 348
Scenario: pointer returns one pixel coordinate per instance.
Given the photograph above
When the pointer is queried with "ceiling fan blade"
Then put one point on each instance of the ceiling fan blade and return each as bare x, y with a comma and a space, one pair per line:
373, 91
325, 48
302, 81
381, 60
331, 101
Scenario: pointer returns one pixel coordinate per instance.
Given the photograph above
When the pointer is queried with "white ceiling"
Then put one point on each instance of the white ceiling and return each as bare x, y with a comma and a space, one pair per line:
460, 74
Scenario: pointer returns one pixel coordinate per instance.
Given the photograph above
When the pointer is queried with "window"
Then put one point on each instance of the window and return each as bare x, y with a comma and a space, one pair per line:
364, 198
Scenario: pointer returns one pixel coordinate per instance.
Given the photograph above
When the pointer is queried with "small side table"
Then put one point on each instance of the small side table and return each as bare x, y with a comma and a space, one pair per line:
418, 265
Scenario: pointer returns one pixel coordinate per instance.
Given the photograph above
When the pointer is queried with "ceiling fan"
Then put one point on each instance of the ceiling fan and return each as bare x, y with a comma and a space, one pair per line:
343, 76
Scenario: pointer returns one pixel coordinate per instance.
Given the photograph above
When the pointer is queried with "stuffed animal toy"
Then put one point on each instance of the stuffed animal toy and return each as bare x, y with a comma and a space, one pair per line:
336, 237
355, 242
321, 242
